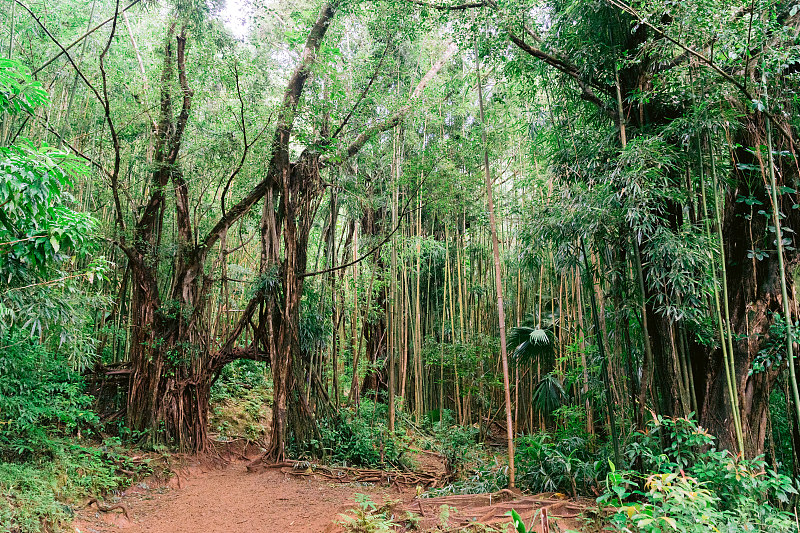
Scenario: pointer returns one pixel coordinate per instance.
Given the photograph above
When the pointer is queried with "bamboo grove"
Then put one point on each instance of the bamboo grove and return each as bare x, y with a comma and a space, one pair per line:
312, 195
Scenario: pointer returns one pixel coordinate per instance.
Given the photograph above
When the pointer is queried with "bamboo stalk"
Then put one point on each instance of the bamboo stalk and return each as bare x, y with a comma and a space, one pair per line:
718, 311
776, 220
498, 276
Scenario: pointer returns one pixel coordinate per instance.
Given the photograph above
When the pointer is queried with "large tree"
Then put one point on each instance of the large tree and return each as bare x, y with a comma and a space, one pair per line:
173, 363
648, 74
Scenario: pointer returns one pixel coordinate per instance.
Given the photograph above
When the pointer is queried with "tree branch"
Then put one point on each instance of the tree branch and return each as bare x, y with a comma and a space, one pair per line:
587, 93
230, 354
64, 50
66, 143
147, 220
247, 144
395, 119
567, 68
112, 129
280, 142
378, 246
364, 92
706, 61
183, 116
181, 188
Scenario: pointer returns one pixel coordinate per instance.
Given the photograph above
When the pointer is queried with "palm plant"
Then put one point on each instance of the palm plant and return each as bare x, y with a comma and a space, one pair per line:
548, 395
528, 344
535, 344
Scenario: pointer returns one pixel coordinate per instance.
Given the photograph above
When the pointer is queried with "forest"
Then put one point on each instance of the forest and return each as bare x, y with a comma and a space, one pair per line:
399, 265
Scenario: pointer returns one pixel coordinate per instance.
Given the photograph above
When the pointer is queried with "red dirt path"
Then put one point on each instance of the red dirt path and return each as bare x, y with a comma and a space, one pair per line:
231, 500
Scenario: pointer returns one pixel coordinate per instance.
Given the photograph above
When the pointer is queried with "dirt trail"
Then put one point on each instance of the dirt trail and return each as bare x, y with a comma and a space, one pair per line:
206, 499
231, 500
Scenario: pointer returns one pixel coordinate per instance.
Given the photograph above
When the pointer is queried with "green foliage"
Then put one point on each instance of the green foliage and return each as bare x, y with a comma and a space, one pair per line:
487, 476
772, 352
36, 225
18, 91
357, 436
528, 344
690, 486
315, 325
548, 395
40, 396
780, 409
369, 517
35, 496
571, 465
48, 304
240, 401
43, 239
458, 444
238, 378
519, 525
44, 411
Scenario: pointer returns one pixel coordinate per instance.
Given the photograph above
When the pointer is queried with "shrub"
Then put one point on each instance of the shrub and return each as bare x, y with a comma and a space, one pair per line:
35, 496
41, 396
368, 517
690, 486
357, 436
457, 444
570, 465
488, 476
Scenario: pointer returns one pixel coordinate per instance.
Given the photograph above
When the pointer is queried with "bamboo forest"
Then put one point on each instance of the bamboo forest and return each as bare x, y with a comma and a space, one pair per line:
355, 266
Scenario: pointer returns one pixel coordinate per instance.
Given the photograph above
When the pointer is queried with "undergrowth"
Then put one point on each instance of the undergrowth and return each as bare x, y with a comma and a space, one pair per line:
573, 465
41, 494
45, 464
488, 475
457, 444
688, 485
40, 396
358, 436
240, 402
368, 517
681, 482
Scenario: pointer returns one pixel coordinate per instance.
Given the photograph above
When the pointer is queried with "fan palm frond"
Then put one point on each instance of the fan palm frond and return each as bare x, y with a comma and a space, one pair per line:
527, 344
539, 337
548, 395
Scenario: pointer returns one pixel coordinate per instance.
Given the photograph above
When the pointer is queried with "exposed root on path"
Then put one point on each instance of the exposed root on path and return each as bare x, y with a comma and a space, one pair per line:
539, 512
345, 474
108, 508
